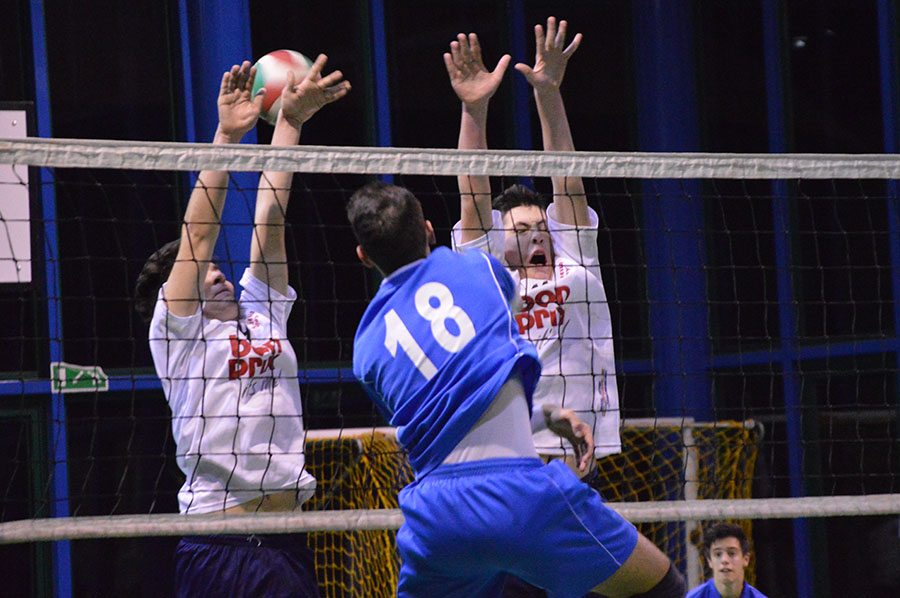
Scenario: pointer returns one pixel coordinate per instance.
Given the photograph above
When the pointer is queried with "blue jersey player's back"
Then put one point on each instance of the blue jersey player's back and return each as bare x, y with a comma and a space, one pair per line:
436, 344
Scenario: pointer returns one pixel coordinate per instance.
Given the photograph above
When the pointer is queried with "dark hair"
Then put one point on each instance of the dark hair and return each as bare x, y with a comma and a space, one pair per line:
722, 530
518, 195
155, 272
389, 225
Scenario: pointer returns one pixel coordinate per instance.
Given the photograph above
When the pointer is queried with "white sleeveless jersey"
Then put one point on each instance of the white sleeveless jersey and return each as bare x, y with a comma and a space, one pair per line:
567, 318
235, 400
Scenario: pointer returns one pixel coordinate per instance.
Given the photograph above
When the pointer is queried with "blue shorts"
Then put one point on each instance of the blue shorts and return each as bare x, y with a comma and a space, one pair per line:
469, 524
234, 565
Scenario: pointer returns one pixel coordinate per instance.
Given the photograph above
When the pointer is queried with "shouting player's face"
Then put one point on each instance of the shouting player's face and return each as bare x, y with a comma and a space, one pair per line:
218, 296
527, 246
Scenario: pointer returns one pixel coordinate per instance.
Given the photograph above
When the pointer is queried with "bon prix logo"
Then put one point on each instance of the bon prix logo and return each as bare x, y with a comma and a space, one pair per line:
251, 360
543, 310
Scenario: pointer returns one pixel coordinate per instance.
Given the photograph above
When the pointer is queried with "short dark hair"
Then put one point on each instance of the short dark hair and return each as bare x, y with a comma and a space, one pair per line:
155, 272
722, 530
518, 195
388, 223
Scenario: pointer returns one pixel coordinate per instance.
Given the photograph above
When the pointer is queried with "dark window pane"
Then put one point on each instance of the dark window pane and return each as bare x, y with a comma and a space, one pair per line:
835, 89
731, 76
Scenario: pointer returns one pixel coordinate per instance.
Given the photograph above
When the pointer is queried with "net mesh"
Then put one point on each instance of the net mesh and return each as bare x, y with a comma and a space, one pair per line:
361, 471
797, 258
659, 462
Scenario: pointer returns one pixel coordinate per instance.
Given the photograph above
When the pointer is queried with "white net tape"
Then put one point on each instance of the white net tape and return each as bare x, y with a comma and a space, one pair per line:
74, 153
121, 526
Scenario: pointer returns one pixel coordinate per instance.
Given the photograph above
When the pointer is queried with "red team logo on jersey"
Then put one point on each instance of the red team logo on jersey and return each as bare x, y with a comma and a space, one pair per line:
252, 360
545, 309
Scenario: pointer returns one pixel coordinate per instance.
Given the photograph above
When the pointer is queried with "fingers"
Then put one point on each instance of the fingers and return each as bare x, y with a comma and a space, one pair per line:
465, 54
336, 92
526, 70
550, 38
555, 37
464, 49
251, 78
559, 37
456, 53
227, 82
315, 71
331, 79
474, 47
573, 46
501, 65
451, 67
238, 77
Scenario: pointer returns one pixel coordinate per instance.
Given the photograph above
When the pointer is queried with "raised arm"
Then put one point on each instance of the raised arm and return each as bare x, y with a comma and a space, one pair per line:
238, 111
546, 78
474, 85
299, 102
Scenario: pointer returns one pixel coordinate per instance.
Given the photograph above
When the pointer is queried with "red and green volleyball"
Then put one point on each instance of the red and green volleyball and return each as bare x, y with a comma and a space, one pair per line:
271, 73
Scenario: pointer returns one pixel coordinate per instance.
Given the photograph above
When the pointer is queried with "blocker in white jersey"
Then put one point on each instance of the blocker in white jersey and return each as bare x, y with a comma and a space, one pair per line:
225, 364
566, 316
233, 391
552, 251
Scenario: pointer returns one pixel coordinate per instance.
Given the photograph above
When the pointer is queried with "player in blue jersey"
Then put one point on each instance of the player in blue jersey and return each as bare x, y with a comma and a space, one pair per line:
727, 552
439, 351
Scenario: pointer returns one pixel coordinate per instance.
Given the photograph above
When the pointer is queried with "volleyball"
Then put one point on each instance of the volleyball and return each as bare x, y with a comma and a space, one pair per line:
271, 73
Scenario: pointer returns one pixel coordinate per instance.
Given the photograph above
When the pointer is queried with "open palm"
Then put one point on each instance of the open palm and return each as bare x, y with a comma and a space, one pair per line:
470, 79
551, 57
238, 109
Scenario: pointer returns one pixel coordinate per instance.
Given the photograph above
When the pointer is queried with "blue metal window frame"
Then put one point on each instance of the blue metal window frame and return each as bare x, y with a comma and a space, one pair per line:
61, 551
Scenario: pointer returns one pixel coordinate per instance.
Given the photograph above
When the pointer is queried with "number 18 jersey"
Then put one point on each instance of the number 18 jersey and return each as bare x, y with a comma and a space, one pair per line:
435, 345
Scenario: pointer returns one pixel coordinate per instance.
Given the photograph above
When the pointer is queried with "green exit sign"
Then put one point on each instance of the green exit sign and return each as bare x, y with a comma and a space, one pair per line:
68, 377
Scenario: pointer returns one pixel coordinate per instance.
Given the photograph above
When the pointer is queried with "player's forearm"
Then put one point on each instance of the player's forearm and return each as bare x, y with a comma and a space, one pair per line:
268, 258
201, 218
568, 192
275, 186
557, 135
542, 415
474, 191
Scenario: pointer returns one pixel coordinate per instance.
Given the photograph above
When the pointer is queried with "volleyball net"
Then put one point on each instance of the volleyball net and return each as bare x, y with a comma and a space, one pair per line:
753, 301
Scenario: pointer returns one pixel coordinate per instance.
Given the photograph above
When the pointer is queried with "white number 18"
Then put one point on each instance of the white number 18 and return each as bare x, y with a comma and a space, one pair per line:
396, 332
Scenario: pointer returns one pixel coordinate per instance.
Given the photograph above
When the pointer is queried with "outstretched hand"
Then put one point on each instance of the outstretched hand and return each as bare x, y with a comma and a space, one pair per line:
566, 424
300, 101
238, 109
551, 57
471, 81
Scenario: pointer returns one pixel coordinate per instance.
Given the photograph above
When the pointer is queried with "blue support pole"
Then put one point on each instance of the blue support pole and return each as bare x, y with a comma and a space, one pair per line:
61, 554
380, 74
887, 51
673, 211
786, 315
378, 37
216, 35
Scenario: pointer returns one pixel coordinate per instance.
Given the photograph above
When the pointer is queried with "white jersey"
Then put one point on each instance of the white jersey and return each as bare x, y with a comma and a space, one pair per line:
235, 400
567, 318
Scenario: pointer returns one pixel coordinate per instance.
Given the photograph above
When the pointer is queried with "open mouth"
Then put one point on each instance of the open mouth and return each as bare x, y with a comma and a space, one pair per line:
538, 259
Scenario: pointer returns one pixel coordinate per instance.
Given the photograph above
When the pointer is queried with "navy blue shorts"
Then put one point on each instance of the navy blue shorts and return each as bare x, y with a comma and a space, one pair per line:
227, 565
469, 524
